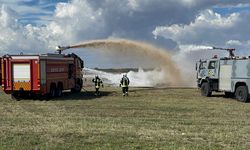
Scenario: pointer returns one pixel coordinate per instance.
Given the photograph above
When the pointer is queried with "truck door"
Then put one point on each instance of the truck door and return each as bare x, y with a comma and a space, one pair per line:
213, 67
21, 76
201, 69
225, 78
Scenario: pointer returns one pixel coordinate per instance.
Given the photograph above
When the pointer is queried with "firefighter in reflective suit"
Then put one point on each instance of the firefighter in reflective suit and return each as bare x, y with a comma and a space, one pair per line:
124, 84
98, 83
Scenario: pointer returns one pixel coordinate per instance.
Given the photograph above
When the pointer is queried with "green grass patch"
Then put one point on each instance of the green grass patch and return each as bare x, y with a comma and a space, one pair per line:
147, 119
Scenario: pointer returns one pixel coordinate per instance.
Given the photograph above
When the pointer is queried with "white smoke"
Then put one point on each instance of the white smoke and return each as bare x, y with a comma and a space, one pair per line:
187, 57
189, 48
141, 78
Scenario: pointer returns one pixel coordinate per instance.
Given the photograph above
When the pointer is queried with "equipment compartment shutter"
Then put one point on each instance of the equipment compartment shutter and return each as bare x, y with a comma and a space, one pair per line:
43, 72
225, 78
21, 72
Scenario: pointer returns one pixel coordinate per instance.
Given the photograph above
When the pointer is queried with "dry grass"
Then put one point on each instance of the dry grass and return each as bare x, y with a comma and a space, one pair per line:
147, 119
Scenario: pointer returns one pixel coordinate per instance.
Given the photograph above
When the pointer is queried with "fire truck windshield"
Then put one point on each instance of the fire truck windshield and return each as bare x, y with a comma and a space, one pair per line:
203, 65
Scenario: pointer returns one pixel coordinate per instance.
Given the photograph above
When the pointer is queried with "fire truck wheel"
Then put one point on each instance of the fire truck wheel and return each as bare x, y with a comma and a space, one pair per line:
59, 91
205, 89
241, 93
78, 87
52, 92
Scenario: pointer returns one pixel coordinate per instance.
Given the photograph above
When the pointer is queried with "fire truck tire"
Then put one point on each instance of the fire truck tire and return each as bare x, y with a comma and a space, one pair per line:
241, 94
52, 92
78, 87
59, 91
205, 89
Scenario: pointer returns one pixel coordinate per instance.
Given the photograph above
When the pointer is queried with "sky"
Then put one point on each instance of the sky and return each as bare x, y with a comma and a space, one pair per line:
38, 26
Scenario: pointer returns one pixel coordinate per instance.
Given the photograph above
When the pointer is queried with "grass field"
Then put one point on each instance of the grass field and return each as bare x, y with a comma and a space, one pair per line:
147, 119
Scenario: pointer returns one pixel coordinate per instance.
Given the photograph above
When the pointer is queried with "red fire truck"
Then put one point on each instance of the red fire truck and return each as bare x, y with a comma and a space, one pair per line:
46, 74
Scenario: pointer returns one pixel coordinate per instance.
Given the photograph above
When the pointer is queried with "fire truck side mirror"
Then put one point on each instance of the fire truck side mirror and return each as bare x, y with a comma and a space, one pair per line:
196, 67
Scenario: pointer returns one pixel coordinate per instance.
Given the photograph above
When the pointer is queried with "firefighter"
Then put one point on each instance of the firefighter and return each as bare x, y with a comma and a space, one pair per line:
124, 84
98, 82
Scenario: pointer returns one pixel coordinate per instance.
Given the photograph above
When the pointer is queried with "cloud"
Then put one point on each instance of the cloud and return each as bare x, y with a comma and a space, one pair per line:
234, 42
29, 11
135, 19
69, 25
210, 28
75, 24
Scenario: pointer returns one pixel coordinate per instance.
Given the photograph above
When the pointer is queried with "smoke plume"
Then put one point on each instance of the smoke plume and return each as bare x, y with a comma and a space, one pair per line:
140, 78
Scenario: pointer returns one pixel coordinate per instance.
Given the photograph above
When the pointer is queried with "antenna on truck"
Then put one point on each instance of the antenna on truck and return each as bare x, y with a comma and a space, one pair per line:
230, 50
62, 48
